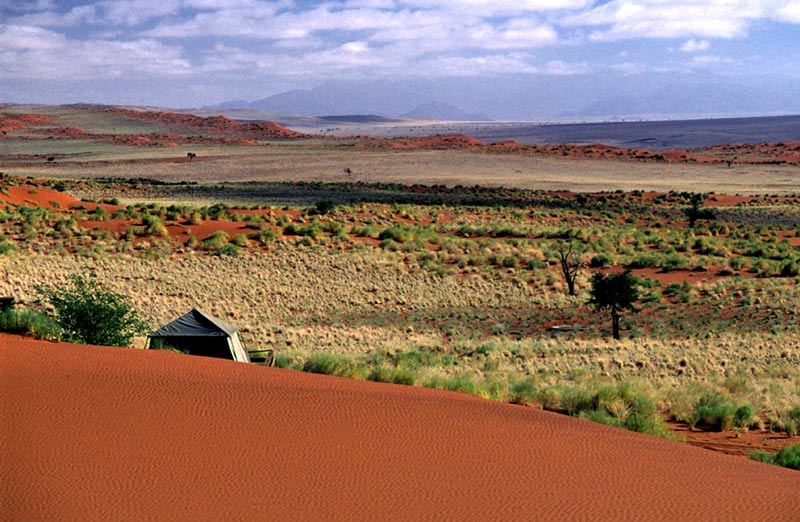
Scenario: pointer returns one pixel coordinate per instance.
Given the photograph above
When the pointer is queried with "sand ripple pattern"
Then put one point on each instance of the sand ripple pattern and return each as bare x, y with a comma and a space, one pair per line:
92, 433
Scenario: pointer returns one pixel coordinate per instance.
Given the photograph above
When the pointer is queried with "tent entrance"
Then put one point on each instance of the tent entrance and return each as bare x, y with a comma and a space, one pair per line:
216, 347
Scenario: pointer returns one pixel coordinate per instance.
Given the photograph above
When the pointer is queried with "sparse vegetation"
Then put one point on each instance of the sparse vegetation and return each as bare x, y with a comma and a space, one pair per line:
88, 313
788, 457
455, 288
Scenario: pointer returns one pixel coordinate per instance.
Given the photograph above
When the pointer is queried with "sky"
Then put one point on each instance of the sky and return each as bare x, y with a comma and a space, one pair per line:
189, 53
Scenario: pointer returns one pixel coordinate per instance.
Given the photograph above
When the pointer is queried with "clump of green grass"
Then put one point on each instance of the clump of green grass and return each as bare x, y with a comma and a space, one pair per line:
523, 392
788, 457
328, 364
620, 405
30, 322
215, 241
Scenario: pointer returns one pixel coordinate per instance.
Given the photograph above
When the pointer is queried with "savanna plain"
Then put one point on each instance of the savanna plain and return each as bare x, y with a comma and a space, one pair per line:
436, 261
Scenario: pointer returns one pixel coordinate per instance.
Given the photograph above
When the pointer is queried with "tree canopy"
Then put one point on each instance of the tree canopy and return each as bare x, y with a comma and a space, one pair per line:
616, 292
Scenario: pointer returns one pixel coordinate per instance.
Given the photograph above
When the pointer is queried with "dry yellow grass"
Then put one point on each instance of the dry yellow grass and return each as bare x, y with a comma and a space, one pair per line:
300, 301
310, 163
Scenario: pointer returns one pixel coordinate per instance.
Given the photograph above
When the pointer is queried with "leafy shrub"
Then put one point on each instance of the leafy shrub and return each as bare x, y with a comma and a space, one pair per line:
88, 313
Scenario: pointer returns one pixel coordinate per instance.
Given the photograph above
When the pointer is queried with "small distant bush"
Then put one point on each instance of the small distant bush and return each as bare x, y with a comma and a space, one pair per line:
312, 231
600, 261
397, 233
264, 237
215, 241
153, 226
324, 207
790, 269
229, 249
644, 261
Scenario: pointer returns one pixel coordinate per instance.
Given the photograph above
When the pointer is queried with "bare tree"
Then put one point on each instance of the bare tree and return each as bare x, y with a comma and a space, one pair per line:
570, 264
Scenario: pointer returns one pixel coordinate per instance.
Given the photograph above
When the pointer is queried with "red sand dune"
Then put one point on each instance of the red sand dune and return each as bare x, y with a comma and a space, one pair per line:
35, 196
92, 433
213, 125
12, 122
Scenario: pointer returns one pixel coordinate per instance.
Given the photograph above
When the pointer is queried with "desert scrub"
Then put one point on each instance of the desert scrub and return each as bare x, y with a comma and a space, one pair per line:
30, 322
215, 241
788, 457
621, 405
313, 230
339, 366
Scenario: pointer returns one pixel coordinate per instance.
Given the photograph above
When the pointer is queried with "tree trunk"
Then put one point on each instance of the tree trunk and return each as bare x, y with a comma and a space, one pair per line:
615, 324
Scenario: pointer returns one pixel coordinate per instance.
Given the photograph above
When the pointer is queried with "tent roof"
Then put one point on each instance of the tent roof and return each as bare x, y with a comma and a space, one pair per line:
196, 324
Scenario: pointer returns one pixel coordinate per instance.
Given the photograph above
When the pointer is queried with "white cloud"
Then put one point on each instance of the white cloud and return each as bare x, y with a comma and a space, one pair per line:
561, 68
635, 19
693, 46
492, 7
32, 52
84, 14
712, 60
135, 12
424, 37
475, 66
789, 13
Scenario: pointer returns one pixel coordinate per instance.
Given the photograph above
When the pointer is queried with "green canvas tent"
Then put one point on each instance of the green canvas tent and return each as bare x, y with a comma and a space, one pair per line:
198, 333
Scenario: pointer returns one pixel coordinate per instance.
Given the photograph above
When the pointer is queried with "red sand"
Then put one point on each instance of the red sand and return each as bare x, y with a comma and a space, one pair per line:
92, 433
213, 125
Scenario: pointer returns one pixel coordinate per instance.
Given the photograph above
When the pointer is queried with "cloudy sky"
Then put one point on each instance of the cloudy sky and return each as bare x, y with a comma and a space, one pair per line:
184, 53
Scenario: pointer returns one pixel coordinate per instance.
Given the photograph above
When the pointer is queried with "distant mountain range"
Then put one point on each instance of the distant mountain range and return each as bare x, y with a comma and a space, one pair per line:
539, 98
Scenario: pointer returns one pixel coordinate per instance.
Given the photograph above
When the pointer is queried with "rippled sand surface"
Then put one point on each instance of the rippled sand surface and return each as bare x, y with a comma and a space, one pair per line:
92, 433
